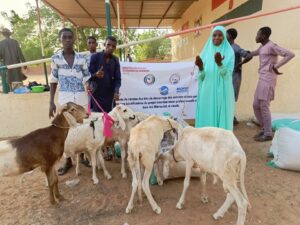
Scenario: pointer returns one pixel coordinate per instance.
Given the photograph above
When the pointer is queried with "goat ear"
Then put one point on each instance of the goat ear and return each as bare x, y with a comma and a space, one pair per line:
70, 119
62, 107
122, 123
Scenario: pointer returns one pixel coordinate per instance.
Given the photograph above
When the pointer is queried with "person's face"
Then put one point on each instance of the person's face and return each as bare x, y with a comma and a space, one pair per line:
218, 37
91, 45
110, 47
228, 37
67, 39
259, 37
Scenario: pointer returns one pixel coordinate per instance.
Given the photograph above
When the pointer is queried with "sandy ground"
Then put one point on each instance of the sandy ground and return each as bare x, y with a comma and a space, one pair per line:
273, 193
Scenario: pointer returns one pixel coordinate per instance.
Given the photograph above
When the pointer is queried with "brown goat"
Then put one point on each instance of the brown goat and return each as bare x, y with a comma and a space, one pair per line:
41, 148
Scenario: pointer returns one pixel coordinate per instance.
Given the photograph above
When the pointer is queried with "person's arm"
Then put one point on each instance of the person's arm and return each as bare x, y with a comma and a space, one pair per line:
93, 66
53, 87
117, 80
255, 53
286, 54
246, 55
223, 70
85, 72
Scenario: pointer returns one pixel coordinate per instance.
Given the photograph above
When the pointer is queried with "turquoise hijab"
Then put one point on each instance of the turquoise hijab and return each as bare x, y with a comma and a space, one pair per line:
208, 53
215, 100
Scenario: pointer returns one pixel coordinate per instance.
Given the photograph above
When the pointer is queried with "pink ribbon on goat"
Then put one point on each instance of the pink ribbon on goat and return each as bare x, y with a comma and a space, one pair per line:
107, 120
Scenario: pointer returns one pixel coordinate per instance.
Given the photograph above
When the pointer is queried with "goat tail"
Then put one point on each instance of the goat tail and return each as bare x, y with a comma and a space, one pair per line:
242, 178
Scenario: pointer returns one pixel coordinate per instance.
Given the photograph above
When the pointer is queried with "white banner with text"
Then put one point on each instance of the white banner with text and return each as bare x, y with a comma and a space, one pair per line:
156, 88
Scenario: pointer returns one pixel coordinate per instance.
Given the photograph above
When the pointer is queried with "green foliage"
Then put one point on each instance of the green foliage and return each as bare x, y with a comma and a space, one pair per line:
159, 49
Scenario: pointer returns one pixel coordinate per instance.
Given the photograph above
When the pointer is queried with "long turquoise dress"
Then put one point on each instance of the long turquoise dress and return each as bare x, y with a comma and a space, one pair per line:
215, 100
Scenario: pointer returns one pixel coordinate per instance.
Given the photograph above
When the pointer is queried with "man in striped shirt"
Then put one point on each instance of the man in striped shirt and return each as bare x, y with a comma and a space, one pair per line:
69, 70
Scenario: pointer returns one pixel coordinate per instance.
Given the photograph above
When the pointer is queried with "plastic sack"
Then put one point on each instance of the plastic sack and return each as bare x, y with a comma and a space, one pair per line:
21, 90
286, 148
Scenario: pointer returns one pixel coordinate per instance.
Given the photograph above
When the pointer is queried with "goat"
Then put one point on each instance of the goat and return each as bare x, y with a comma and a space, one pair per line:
41, 148
218, 152
122, 136
90, 140
143, 147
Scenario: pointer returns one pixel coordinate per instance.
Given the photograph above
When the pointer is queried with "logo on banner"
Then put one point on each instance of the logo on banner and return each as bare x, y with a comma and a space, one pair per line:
182, 90
174, 78
149, 79
164, 90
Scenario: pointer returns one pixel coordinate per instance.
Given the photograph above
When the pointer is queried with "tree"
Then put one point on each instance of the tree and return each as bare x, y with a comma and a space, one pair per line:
159, 49
25, 30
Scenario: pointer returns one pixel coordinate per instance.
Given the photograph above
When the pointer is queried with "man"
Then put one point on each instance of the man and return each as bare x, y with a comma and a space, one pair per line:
237, 72
106, 76
11, 53
68, 69
92, 47
268, 71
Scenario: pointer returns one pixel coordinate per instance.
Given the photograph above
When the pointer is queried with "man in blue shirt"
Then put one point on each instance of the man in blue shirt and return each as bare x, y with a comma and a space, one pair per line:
237, 72
106, 76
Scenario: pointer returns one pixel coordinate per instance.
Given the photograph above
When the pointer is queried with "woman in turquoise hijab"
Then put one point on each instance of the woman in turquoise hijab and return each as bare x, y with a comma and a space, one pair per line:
215, 100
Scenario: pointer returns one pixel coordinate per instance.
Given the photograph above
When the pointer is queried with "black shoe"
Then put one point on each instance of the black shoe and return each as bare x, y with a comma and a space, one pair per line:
63, 170
258, 135
263, 138
235, 121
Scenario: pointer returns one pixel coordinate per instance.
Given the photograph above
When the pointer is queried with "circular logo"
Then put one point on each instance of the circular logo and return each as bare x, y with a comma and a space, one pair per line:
174, 78
149, 79
164, 90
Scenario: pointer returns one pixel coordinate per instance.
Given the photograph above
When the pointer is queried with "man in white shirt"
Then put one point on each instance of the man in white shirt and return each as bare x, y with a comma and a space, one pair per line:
69, 70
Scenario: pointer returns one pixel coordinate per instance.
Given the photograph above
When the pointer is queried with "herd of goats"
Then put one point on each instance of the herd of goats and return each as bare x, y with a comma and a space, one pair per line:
73, 131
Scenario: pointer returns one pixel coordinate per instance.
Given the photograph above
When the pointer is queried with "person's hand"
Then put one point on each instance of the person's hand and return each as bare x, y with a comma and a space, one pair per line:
219, 58
100, 73
116, 96
88, 88
199, 63
276, 70
52, 110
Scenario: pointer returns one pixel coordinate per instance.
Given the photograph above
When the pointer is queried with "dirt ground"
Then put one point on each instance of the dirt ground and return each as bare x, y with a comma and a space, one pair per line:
273, 193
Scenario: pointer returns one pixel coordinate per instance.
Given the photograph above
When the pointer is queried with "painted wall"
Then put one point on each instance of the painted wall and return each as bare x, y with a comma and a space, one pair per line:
20, 114
285, 32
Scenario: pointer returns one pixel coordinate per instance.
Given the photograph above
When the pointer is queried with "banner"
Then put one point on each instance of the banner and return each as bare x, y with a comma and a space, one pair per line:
158, 88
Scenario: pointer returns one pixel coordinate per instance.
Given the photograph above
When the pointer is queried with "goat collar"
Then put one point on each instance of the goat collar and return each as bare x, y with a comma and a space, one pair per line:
173, 153
60, 126
173, 129
132, 118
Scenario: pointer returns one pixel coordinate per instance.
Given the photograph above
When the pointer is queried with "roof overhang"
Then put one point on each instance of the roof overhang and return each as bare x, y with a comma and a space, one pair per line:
133, 13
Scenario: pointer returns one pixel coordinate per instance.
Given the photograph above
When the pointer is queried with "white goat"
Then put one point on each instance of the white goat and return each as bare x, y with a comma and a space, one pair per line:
144, 147
216, 151
122, 136
86, 139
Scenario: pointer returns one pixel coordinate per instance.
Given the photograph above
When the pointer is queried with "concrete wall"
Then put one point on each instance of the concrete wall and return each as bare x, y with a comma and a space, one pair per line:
20, 114
285, 28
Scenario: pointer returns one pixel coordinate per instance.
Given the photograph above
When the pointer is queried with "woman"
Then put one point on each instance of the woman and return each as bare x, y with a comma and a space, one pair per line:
215, 101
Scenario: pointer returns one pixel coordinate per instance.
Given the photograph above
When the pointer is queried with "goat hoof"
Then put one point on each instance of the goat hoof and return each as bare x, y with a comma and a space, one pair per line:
179, 205
216, 216
95, 181
124, 175
108, 176
204, 199
128, 210
157, 210
160, 182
